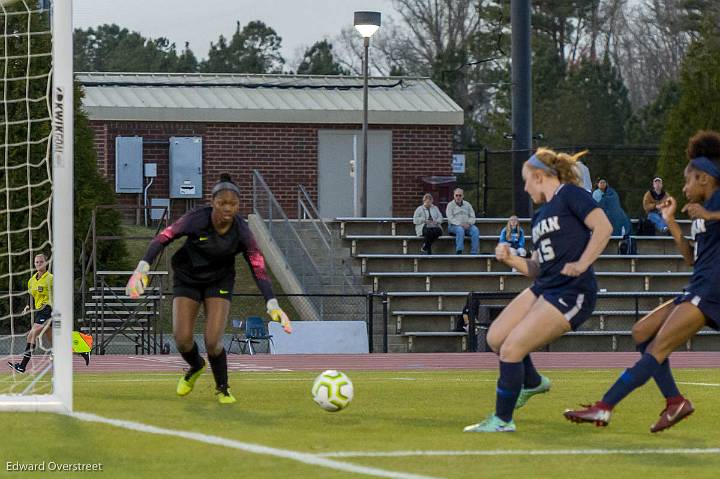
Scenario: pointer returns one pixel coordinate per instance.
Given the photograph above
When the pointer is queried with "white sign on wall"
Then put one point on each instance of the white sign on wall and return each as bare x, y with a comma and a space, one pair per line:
458, 163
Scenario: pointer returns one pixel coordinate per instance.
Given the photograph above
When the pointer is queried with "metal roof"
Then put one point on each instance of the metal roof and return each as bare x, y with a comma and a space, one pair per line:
265, 98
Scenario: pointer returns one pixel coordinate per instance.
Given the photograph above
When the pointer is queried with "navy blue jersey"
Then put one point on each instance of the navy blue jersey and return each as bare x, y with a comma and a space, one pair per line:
209, 257
560, 236
706, 234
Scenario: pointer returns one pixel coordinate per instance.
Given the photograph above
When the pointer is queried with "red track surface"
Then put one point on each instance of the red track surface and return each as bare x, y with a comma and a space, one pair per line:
388, 362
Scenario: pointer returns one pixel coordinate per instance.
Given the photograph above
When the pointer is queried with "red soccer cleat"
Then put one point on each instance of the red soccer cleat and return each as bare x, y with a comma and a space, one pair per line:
598, 414
673, 414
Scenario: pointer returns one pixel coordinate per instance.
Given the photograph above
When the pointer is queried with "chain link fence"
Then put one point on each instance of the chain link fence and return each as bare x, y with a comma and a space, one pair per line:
157, 338
488, 182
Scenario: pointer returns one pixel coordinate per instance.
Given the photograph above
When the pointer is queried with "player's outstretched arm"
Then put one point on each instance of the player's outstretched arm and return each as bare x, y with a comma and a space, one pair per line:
277, 314
598, 223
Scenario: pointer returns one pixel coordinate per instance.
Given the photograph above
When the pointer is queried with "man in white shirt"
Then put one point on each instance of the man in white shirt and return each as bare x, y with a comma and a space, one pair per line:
461, 222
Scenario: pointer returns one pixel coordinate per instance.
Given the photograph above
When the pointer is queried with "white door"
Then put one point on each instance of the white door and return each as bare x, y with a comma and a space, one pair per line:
337, 185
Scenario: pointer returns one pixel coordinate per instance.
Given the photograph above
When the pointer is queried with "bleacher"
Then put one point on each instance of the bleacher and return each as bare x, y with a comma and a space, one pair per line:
426, 293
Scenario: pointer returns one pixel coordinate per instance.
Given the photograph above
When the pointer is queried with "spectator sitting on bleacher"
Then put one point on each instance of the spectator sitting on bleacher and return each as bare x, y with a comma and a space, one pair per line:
427, 219
609, 201
514, 236
461, 221
654, 198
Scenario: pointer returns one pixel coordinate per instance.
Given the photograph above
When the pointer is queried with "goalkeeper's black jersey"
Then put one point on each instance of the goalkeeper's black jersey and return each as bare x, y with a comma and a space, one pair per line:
208, 257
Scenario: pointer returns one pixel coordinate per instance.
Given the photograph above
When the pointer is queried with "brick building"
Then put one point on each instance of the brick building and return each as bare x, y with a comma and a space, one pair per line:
293, 129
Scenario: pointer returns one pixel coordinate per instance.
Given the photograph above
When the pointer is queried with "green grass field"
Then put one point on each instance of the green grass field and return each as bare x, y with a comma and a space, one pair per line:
392, 411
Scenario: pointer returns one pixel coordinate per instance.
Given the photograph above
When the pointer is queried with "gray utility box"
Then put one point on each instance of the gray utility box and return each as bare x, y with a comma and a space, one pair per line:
128, 164
185, 167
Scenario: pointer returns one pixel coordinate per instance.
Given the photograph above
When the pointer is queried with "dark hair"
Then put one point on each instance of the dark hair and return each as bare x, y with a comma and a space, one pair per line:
704, 143
225, 183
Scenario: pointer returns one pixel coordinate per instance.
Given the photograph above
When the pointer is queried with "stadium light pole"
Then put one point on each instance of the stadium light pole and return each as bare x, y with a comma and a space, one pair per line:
366, 23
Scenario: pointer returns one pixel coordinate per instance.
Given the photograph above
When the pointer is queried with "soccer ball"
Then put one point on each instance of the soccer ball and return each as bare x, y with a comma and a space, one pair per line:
332, 390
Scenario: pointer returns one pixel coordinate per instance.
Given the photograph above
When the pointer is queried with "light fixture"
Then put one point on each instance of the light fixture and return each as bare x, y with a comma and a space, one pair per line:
367, 23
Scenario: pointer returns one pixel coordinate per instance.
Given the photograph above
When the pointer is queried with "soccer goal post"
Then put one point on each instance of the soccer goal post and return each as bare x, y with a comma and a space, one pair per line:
36, 200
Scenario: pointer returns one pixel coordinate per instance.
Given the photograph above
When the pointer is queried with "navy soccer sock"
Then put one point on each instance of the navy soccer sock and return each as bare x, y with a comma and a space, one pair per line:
508, 389
631, 379
532, 377
663, 377
193, 358
219, 368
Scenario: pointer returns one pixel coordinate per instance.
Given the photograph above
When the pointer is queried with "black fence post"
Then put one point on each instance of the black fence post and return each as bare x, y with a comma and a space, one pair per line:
473, 306
485, 182
637, 308
371, 319
385, 321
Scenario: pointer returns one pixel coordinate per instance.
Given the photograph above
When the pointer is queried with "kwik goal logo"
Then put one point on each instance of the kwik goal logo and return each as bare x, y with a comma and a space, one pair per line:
58, 126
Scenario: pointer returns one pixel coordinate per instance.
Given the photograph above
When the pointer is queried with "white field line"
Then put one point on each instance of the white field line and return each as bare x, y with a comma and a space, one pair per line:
714, 385
519, 452
303, 457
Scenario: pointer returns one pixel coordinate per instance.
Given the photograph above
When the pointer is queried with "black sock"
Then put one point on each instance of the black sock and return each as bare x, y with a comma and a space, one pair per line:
193, 358
26, 355
532, 377
219, 368
508, 389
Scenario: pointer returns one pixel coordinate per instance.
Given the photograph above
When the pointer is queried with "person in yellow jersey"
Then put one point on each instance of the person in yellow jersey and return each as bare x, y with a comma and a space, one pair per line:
40, 288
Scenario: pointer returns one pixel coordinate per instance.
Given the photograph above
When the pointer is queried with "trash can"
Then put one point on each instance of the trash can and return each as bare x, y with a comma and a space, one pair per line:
441, 188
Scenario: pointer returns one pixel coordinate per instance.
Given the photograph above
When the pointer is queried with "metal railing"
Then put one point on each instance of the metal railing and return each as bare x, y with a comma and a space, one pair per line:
483, 308
309, 251
308, 212
284, 234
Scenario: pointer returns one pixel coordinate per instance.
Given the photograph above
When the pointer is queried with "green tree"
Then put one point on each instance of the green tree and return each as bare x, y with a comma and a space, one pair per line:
253, 49
25, 188
647, 125
111, 48
25, 200
698, 107
91, 189
319, 60
592, 107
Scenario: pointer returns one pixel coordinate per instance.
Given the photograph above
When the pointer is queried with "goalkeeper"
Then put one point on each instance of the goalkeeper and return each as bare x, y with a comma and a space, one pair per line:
204, 273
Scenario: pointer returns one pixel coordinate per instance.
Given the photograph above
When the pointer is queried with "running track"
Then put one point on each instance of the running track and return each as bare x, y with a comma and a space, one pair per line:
387, 362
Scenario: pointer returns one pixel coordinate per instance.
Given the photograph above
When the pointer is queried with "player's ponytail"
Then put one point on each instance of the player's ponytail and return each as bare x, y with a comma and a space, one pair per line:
561, 165
225, 183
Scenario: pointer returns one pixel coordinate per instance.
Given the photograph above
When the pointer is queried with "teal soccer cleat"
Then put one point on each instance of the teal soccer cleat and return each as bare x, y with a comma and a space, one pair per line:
492, 424
526, 394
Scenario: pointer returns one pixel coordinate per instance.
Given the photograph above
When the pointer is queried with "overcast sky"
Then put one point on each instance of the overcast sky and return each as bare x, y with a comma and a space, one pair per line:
299, 22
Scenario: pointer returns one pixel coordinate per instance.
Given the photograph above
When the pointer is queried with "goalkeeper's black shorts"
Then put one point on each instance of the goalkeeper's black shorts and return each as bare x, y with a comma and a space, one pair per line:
43, 315
199, 291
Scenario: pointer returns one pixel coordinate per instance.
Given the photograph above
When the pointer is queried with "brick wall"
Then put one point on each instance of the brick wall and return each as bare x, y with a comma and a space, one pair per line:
285, 154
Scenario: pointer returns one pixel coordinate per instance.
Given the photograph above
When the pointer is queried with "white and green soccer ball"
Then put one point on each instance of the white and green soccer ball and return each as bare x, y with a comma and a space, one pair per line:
332, 390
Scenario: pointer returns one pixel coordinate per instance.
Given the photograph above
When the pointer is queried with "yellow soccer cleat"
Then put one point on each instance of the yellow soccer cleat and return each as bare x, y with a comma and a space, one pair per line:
224, 395
187, 382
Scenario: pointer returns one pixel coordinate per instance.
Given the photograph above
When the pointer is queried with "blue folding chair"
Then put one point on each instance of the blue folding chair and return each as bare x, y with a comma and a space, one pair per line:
255, 333
237, 325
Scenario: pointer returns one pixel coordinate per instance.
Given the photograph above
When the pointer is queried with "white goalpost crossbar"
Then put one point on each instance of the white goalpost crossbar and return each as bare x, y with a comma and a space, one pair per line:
61, 98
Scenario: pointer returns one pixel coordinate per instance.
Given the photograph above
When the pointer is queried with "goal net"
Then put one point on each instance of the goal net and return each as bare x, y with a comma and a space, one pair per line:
36, 208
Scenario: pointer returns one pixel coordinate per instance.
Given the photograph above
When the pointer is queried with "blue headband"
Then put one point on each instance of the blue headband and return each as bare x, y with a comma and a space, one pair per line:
537, 163
706, 165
